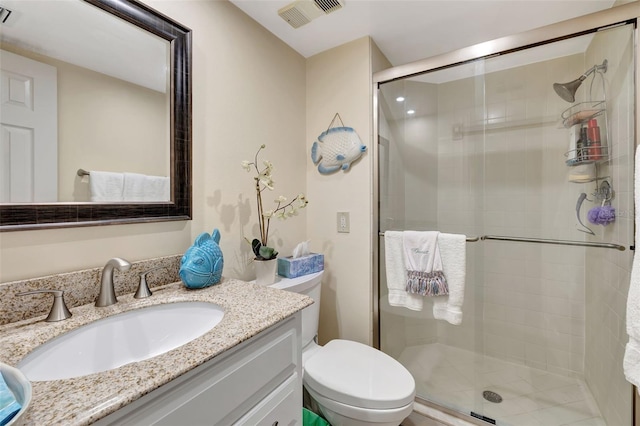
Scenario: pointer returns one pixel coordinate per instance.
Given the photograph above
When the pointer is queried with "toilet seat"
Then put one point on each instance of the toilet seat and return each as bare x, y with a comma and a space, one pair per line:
352, 374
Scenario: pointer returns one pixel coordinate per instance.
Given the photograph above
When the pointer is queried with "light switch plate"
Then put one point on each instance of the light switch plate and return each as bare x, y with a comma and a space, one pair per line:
343, 222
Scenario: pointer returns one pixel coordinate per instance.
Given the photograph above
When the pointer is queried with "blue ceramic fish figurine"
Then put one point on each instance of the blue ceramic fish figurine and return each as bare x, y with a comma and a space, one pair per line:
336, 149
201, 265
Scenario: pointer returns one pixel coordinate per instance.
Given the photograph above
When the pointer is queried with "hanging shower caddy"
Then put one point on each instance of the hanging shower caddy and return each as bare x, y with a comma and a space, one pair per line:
587, 120
589, 124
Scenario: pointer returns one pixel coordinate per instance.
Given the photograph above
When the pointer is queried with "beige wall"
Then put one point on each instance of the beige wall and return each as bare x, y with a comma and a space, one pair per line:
98, 118
248, 89
108, 124
339, 81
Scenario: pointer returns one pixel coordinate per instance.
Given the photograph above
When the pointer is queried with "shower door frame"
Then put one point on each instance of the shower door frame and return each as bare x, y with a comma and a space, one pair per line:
583, 25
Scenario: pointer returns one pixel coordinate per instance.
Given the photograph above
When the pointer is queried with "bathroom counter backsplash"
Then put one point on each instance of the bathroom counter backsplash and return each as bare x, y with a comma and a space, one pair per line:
249, 309
80, 287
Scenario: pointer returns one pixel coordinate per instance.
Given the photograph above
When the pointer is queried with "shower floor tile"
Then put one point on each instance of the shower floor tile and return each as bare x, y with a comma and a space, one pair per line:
455, 378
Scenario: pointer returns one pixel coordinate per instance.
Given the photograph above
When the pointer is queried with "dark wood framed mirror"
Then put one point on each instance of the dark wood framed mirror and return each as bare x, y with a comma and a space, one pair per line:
27, 216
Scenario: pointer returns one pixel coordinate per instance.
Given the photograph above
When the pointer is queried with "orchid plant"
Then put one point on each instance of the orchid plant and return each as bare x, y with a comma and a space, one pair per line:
282, 209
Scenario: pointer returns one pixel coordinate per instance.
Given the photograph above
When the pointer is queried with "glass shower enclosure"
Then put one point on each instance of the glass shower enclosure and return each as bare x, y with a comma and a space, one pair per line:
529, 153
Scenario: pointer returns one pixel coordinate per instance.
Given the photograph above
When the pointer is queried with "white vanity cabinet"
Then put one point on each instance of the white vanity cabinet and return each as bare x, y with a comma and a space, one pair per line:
258, 382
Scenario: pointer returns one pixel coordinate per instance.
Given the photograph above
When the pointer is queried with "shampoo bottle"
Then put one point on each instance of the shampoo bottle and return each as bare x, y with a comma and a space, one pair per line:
593, 135
572, 154
583, 143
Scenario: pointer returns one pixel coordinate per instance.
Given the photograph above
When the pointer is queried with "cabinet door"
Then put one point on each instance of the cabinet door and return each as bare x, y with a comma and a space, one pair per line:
283, 407
222, 395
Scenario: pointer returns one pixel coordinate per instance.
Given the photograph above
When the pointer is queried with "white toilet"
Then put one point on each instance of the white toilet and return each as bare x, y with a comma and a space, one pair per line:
352, 384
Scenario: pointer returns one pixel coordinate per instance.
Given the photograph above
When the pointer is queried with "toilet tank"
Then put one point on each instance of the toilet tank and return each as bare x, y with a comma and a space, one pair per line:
309, 285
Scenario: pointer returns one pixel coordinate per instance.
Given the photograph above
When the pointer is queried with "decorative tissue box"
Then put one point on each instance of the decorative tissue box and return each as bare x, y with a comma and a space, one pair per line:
291, 268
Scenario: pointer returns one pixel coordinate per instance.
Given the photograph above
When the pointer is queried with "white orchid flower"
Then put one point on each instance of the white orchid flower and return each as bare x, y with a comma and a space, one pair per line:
267, 181
283, 209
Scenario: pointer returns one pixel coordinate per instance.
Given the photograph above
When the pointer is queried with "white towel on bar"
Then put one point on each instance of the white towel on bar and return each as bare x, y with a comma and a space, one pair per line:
139, 187
397, 273
424, 263
106, 186
454, 257
631, 362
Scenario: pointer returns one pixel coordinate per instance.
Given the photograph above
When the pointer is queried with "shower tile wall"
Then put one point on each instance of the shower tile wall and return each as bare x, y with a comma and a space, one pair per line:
506, 176
608, 272
460, 186
493, 163
421, 165
408, 186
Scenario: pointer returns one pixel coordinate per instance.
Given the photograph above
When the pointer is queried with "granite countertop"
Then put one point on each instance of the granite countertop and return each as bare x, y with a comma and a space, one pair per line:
248, 310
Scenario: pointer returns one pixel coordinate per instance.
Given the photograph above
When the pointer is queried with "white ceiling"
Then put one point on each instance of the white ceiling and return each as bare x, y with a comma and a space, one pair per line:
407, 31
81, 34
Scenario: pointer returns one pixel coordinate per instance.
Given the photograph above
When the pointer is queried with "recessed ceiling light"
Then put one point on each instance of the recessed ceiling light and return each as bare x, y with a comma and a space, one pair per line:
399, 99
410, 112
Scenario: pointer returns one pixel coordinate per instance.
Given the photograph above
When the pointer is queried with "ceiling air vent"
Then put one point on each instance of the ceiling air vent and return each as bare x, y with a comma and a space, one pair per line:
302, 12
328, 6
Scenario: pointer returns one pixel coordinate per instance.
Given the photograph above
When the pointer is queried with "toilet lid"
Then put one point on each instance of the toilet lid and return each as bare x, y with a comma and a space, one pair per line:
359, 375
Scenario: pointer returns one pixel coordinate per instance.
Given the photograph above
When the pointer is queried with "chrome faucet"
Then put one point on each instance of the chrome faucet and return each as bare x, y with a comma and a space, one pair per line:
107, 294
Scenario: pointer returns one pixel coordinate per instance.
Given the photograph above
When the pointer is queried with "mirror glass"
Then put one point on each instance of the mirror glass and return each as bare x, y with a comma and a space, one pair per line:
95, 113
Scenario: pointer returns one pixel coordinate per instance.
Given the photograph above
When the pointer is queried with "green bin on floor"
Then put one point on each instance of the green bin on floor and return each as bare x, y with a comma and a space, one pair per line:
309, 418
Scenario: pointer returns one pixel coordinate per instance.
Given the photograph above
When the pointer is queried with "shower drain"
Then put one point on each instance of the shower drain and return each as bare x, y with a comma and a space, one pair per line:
492, 396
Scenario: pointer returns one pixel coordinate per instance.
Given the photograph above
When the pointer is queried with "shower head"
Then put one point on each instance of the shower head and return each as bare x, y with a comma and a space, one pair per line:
567, 91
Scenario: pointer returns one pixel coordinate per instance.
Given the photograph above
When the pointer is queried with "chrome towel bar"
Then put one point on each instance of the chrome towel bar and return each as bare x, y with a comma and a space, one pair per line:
541, 241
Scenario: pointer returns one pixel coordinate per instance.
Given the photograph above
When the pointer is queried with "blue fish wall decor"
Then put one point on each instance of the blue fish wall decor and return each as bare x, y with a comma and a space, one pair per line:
336, 149
201, 265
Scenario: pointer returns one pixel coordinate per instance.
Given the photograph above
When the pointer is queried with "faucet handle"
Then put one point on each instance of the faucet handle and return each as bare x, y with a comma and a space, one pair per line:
59, 310
143, 289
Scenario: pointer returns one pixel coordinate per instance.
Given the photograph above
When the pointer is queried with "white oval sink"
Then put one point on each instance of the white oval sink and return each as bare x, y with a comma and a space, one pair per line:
120, 339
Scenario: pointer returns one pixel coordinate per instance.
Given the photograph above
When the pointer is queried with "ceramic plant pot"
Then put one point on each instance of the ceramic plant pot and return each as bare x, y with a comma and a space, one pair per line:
265, 271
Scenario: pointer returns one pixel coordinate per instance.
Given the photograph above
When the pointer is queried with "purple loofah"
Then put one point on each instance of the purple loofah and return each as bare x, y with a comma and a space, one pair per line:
607, 215
592, 215
602, 215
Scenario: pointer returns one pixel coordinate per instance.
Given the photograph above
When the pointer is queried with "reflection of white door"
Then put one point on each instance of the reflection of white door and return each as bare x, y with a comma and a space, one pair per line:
28, 130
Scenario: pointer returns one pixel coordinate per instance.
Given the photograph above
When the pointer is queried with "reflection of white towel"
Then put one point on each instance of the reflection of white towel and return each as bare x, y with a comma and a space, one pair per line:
139, 187
106, 186
632, 352
397, 273
453, 252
